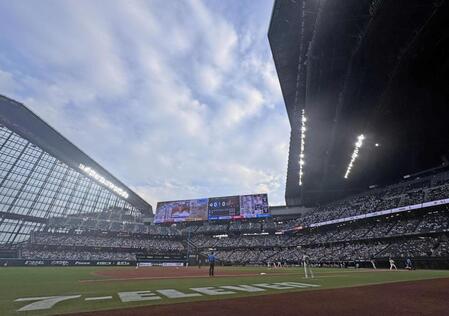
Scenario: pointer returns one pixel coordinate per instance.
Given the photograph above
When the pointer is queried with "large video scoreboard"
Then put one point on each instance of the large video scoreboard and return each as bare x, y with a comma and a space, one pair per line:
215, 208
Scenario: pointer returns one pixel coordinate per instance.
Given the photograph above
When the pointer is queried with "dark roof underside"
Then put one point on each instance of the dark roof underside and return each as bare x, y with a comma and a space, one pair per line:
378, 68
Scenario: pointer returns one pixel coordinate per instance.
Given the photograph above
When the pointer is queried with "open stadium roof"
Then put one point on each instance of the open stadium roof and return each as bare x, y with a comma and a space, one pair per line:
358, 67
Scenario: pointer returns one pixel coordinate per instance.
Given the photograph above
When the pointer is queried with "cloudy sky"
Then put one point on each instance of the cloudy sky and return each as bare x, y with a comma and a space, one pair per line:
178, 99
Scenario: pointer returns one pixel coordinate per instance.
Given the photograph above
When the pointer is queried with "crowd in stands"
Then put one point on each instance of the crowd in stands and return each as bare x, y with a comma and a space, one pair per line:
245, 256
378, 238
70, 240
395, 196
118, 234
112, 220
86, 222
442, 249
355, 251
237, 227
399, 195
355, 241
241, 241
430, 222
411, 248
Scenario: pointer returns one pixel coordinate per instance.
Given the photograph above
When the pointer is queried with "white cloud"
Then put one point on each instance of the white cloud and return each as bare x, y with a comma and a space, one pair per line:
7, 83
172, 97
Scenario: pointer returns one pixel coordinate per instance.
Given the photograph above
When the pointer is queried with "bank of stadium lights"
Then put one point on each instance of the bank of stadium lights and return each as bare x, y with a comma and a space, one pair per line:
303, 141
93, 174
355, 154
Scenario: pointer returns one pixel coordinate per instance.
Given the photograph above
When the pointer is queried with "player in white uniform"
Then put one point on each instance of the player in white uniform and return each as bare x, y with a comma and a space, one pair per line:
392, 265
307, 269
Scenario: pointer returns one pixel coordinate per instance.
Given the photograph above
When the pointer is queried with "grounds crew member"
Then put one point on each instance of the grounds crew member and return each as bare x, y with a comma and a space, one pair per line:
211, 258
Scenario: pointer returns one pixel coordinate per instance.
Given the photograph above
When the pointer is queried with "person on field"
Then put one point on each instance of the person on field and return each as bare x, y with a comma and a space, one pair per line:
392, 264
307, 269
211, 258
408, 264
373, 263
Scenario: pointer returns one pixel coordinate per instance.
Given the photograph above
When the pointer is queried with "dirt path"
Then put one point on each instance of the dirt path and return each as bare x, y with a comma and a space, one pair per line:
428, 297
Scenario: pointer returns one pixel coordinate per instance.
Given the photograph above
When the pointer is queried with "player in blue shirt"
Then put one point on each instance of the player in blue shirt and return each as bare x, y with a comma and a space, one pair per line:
211, 258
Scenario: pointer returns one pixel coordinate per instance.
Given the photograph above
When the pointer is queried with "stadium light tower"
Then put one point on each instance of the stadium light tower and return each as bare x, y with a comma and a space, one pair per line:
355, 154
303, 141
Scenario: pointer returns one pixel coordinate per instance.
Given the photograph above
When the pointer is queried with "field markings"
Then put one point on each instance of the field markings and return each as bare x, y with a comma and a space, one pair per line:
45, 302
48, 302
99, 298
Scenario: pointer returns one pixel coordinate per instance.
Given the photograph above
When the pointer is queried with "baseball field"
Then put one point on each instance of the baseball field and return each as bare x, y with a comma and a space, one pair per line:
233, 291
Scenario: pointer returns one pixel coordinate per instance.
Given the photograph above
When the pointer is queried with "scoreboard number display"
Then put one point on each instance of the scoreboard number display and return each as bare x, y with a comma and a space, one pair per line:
227, 207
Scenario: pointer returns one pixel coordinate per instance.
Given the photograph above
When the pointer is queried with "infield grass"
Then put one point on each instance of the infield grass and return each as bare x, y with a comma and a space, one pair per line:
27, 282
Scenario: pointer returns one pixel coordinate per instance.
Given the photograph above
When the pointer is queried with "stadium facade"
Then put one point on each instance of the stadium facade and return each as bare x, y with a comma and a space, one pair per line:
43, 175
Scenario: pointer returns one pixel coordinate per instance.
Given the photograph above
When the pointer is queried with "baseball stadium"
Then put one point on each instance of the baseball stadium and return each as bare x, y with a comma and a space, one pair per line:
365, 225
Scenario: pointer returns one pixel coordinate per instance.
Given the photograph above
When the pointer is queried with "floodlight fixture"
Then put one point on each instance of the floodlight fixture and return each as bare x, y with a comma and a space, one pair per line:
355, 154
303, 130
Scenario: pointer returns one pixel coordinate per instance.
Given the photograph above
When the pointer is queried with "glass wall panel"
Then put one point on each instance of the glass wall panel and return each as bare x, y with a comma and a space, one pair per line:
35, 185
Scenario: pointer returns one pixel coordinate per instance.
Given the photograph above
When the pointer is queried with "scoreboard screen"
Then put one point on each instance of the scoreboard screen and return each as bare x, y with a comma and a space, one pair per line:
181, 211
227, 207
254, 205
215, 208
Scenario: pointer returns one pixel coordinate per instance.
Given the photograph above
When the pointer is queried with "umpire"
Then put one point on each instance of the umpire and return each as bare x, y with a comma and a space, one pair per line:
211, 258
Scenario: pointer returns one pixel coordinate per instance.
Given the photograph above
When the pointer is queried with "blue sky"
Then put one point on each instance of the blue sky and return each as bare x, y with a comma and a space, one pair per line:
178, 99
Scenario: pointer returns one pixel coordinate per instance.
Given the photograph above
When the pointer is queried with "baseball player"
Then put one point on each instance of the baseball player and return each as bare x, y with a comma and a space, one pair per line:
408, 264
392, 265
306, 263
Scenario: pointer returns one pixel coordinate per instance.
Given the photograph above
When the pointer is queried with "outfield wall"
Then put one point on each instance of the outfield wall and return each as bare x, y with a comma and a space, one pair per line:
39, 262
80, 263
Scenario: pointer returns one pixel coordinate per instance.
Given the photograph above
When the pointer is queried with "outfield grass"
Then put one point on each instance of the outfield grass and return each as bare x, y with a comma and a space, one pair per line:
49, 281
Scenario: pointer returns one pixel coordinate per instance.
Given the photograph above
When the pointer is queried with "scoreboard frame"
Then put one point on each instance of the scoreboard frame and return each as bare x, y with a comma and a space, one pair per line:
232, 207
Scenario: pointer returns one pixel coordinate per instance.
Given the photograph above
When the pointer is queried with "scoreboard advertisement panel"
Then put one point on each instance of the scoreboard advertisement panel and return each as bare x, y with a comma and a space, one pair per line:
215, 208
181, 211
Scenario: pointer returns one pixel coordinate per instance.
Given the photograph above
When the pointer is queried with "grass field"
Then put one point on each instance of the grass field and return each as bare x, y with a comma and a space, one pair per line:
40, 282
